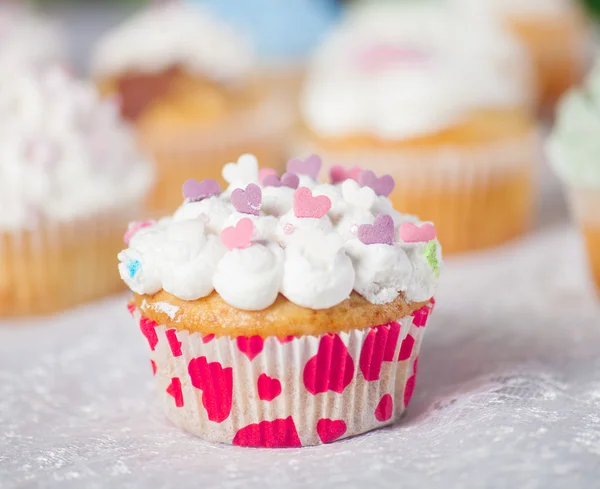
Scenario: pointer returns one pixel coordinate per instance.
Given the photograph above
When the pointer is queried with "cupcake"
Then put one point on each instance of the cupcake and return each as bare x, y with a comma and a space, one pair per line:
186, 80
29, 41
556, 35
283, 33
573, 149
410, 91
70, 180
285, 313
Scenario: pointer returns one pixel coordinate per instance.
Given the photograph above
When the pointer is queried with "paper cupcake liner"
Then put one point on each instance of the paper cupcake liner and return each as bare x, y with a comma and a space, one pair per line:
201, 151
285, 392
55, 266
585, 209
478, 196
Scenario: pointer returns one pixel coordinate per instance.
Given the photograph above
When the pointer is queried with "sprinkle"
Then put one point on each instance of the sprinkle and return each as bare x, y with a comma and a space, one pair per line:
411, 233
265, 172
133, 266
380, 232
289, 228
196, 191
290, 180
382, 186
134, 228
307, 206
311, 166
238, 237
339, 174
431, 257
247, 201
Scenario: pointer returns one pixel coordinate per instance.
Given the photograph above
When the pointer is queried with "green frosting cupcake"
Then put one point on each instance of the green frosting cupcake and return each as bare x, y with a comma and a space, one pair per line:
574, 145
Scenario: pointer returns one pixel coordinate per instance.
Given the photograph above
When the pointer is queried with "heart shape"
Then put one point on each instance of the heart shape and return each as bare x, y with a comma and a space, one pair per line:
268, 387
411, 233
385, 408
148, 329
247, 201
194, 191
379, 346
174, 342
279, 433
382, 186
290, 180
250, 347
338, 173
238, 237
330, 429
331, 369
134, 228
307, 206
174, 390
216, 384
245, 170
311, 166
354, 194
380, 232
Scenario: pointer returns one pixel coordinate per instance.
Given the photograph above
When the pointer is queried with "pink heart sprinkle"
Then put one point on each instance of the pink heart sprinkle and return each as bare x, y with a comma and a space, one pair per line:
195, 191
339, 174
289, 229
311, 166
247, 201
411, 233
380, 232
265, 172
238, 237
305, 205
382, 186
134, 228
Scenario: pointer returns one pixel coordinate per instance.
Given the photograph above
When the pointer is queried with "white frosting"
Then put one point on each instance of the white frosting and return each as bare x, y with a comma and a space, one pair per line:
174, 34
520, 7
439, 67
64, 153
27, 41
315, 263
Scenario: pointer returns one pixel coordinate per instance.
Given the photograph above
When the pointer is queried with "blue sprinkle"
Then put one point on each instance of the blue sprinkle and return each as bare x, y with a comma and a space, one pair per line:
133, 266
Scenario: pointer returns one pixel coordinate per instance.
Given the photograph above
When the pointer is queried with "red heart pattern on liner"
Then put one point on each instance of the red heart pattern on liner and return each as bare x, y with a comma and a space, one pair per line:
311, 166
290, 180
339, 174
307, 206
148, 329
411, 233
248, 200
380, 232
381, 186
196, 191
268, 388
238, 237
330, 430
329, 376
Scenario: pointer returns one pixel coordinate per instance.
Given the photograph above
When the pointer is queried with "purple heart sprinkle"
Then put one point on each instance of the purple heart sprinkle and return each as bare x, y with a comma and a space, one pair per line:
311, 166
380, 232
195, 191
290, 180
271, 181
382, 186
247, 201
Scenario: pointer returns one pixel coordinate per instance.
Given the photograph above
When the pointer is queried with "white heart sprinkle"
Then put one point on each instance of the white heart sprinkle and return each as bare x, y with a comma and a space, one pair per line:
354, 194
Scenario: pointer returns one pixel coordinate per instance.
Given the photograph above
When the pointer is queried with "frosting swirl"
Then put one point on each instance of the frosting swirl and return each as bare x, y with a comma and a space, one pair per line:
314, 261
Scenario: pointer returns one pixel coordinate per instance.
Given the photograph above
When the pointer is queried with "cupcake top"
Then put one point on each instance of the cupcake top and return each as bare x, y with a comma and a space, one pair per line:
283, 32
27, 41
174, 34
266, 235
398, 71
63, 152
574, 144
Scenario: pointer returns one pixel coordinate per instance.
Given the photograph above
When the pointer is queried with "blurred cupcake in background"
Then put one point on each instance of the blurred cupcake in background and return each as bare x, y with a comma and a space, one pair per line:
28, 40
70, 180
574, 149
186, 79
415, 91
556, 35
283, 32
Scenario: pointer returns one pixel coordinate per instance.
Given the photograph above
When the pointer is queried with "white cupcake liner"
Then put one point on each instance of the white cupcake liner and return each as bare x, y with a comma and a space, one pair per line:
290, 392
56, 265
